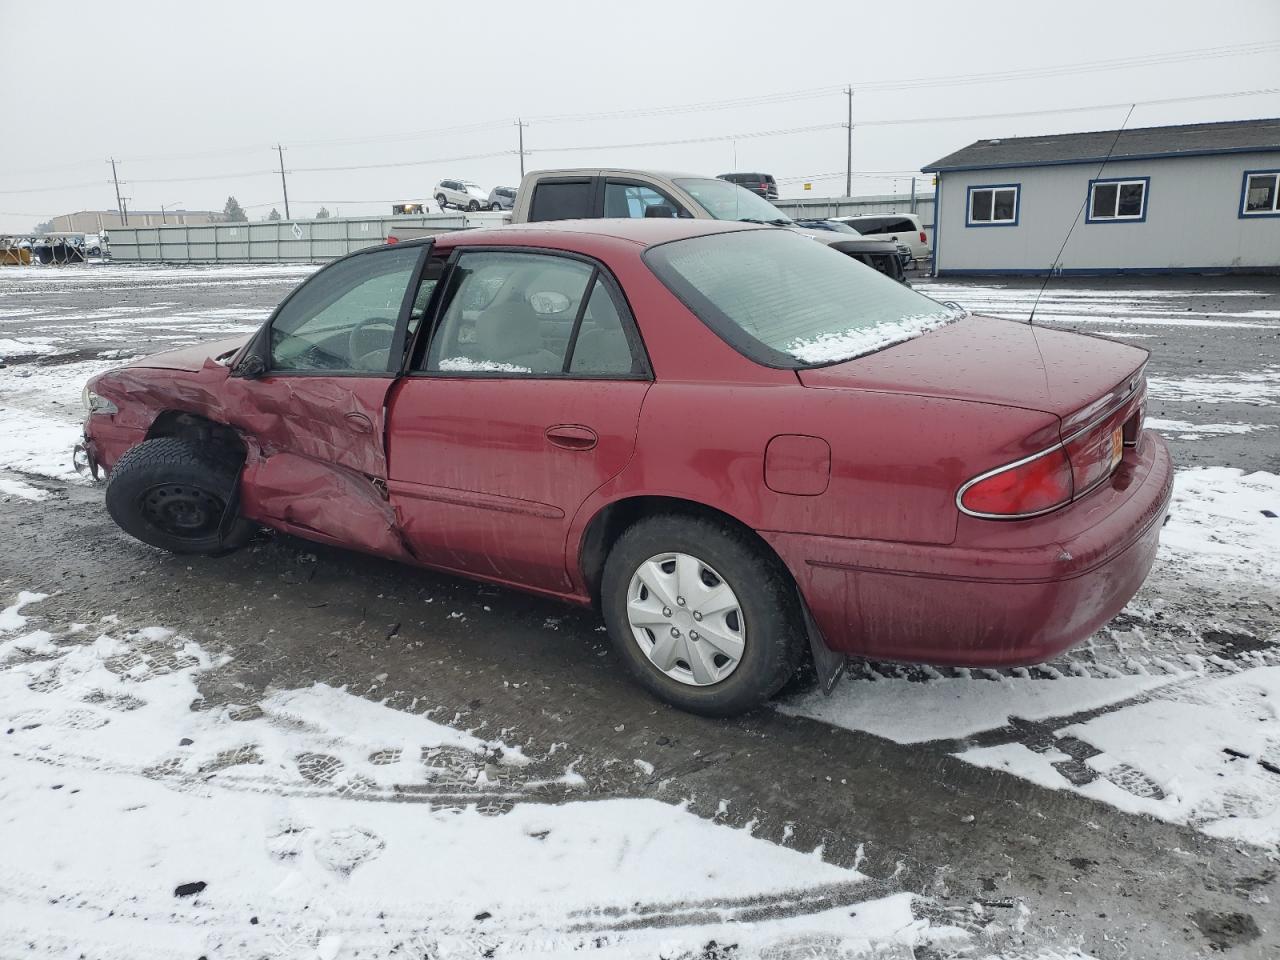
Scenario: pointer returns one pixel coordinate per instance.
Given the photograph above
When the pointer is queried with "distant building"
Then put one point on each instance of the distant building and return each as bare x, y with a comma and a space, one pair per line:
1198, 198
95, 221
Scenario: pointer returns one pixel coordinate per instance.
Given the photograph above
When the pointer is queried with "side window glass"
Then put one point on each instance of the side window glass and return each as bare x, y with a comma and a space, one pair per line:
602, 346
561, 201
344, 318
631, 199
509, 313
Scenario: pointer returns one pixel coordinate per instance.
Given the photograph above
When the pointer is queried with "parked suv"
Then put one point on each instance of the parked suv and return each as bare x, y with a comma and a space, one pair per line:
594, 193
502, 198
761, 184
902, 227
462, 194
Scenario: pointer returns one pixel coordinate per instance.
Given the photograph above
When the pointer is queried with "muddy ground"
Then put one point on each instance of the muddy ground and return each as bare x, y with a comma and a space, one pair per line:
913, 817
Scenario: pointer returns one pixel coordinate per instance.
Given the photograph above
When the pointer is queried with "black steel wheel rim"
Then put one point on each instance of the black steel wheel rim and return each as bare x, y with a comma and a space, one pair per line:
182, 510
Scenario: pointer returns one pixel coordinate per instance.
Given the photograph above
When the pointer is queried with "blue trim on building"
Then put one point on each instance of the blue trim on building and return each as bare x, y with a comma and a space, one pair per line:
968, 204
1088, 200
1067, 163
937, 224
1105, 271
1244, 186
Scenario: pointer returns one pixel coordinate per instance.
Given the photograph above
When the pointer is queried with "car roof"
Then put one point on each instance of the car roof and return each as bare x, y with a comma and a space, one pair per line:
645, 231
606, 171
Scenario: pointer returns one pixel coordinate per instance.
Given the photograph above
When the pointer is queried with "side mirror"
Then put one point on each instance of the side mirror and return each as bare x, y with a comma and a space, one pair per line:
660, 210
250, 368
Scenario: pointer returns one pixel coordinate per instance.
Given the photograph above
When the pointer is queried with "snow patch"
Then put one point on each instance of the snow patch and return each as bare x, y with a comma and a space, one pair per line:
1217, 523
858, 341
468, 365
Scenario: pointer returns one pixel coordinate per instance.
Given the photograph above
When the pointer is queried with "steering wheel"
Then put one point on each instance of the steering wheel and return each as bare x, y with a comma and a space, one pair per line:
369, 343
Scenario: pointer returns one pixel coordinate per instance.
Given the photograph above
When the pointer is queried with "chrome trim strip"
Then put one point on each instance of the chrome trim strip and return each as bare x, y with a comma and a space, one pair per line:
1060, 445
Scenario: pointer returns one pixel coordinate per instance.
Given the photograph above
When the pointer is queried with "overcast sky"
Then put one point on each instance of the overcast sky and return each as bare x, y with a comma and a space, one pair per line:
191, 97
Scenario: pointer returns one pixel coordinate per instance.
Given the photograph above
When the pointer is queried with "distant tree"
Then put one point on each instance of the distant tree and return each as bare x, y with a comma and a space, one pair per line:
322, 213
233, 212
43, 227
274, 214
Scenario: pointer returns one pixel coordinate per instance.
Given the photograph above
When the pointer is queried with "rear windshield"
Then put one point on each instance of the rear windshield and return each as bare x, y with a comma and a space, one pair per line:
786, 300
728, 201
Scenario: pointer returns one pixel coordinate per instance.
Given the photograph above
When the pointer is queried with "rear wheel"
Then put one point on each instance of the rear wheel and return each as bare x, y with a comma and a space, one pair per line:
173, 494
703, 617
441, 201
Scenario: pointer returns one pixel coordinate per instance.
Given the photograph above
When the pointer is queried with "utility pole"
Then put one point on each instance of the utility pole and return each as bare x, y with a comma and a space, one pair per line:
520, 125
124, 214
848, 168
283, 185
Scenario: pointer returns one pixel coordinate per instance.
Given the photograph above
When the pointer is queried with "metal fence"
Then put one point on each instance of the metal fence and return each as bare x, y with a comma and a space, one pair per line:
821, 208
271, 241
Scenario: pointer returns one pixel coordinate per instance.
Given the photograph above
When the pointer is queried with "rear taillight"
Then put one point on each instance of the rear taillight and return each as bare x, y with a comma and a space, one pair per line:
923, 238
1023, 489
393, 239
1095, 453
1050, 479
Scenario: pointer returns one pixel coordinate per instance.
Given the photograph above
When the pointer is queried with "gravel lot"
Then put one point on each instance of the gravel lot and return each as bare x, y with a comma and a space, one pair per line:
1123, 801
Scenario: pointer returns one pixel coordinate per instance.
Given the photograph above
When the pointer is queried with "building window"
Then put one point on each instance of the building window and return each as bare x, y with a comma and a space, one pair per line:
1118, 201
1260, 194
995, 205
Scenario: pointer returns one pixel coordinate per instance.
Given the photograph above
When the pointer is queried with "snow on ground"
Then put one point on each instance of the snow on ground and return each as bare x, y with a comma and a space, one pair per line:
1208, 754
1178, 743
1219, 523
1255, 389
1186, 430
135, 825
1122, 307
150, 275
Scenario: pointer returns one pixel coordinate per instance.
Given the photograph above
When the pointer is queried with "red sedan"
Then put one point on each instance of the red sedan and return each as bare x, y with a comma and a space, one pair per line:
741, 445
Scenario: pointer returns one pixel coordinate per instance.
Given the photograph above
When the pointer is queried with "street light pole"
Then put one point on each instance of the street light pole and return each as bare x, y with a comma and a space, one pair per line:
170, 205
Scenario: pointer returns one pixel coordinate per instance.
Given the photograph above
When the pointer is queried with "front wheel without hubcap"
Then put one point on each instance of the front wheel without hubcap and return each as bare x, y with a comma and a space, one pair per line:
177, 495
705, 617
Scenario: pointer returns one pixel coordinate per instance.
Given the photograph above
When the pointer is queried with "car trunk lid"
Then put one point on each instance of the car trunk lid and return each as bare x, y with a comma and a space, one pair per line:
1004, 362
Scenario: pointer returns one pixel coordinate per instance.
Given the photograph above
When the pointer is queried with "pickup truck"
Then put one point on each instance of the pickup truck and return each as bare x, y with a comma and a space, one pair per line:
578, 194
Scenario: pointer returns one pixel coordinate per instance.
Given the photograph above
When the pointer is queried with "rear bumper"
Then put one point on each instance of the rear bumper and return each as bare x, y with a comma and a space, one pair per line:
1005, 593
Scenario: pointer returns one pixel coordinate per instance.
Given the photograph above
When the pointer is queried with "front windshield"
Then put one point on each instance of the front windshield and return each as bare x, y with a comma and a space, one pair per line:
728, 201
786, 300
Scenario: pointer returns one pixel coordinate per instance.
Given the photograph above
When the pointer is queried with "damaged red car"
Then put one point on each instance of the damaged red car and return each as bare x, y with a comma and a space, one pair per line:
745, 448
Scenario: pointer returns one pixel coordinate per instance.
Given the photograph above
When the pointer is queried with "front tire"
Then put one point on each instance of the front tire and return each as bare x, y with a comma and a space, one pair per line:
703, 616
172, 494
473, 206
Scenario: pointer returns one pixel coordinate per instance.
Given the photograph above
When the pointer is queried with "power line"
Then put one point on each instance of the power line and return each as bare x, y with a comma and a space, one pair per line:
711, 139
788, 96
896, 121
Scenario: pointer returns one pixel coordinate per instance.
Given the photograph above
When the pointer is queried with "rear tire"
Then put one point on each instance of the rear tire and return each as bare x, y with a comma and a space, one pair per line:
768, 620
173, 494
441, 200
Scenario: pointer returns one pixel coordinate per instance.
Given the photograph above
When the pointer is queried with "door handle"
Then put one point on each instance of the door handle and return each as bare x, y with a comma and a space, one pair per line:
572, 437
359, 423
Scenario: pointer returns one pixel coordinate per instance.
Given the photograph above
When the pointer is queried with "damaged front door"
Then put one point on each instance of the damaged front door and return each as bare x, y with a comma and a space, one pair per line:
317, 406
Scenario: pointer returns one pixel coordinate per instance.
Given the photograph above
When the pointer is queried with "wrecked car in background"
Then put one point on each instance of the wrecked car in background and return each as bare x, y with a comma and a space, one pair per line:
741, 445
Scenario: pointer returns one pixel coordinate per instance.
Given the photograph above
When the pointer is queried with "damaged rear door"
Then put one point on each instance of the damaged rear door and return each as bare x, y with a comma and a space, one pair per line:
311, 391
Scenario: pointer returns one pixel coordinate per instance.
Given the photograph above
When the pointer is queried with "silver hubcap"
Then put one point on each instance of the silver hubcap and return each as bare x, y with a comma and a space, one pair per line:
686, 619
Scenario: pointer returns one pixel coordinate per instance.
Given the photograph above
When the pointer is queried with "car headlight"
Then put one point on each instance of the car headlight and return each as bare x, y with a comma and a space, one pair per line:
96, 403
